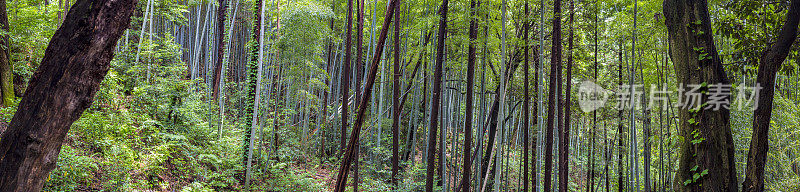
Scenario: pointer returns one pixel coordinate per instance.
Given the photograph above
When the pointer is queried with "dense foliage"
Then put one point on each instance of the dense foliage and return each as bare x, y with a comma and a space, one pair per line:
154, 124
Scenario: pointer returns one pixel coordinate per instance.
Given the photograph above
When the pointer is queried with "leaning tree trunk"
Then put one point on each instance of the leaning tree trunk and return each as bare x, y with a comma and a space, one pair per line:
707, 149
6, 72
349, 153
771, 61
75, 62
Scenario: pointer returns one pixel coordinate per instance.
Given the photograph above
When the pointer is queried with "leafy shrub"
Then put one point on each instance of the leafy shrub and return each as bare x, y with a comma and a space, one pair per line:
73, 171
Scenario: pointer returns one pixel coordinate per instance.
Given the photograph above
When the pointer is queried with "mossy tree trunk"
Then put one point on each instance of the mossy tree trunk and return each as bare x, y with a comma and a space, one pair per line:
6, 71
707, 151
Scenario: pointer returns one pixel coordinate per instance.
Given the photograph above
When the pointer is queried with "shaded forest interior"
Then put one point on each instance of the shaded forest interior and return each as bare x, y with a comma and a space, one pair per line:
394, 95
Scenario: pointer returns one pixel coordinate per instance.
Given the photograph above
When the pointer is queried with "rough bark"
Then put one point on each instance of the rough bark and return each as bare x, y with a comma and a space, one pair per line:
690, 36
436, 96
6, 71
771, 61
75, 62
349, 153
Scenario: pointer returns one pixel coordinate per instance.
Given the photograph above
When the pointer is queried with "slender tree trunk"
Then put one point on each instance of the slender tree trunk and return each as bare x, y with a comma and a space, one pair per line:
278, 89
563, 156
534, 169
771, 61
606, 157
349, 153
620, 174
60, 13
346, 76
594, 113
220, 33
473, 35
6, 71
492, 118
359, 64
647, 144
396, 103
525, 104
708, 143
328, 69
436, 96
410, 142
75, 62
254, 87
555, 61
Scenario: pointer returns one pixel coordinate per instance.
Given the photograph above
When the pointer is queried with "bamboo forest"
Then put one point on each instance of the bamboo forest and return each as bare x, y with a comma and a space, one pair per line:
400, 95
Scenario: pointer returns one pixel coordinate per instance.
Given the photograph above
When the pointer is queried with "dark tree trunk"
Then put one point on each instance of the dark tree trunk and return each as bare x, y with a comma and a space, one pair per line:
359, 64
6, 71
525, 104
220, 47
396, 103
349, 153
75, 62
708, 143
345, 83
555, 62
771, 61
473, 36
436, 96
563, 139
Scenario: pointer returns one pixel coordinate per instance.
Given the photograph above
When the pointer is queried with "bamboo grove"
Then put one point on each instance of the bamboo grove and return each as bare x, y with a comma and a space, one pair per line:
400, 95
